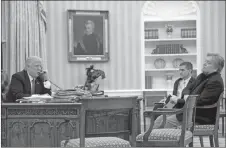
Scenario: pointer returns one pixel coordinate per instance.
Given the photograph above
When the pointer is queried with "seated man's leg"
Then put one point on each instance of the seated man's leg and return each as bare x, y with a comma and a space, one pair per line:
158, 122
172, 122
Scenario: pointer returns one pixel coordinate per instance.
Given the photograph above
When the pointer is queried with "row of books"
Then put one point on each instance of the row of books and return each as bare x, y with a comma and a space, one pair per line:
148, 82
188, 33
151, 33
169, 49
185, 33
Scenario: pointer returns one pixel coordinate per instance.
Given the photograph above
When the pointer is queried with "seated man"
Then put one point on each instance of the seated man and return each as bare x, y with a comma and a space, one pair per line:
27, 82
185, 69
208, 85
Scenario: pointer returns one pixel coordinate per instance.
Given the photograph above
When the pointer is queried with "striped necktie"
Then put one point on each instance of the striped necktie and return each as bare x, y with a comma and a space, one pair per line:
33, 86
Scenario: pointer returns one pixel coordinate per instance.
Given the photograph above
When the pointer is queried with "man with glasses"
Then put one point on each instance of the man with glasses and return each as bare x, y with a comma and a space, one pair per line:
27, 82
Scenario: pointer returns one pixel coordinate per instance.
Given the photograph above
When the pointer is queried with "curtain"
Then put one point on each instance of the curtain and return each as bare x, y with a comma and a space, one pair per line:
24, 32
213, 29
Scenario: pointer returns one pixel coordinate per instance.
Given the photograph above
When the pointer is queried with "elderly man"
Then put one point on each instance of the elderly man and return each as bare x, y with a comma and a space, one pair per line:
208, 85
27, 82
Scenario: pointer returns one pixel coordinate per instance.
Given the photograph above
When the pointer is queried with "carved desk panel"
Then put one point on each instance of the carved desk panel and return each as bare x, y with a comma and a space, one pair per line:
111, 116
39, 125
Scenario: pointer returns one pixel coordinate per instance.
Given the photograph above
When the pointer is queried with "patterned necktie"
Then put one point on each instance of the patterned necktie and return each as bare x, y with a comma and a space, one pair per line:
33, 86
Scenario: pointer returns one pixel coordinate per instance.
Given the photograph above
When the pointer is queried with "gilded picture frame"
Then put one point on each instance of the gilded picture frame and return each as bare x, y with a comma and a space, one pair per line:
88, 35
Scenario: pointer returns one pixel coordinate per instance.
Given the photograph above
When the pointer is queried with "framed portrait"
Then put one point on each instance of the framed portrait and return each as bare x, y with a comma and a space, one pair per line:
88, 35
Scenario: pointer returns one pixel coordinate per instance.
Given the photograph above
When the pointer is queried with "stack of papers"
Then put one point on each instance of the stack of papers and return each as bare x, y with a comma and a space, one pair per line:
35, 99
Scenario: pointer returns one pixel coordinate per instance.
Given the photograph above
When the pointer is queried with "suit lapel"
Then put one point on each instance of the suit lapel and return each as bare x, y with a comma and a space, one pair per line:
185, 90
176, 86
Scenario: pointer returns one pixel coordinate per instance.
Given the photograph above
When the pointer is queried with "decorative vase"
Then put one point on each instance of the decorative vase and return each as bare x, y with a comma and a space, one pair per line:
169, 80
177, 62
169, 30
159, 63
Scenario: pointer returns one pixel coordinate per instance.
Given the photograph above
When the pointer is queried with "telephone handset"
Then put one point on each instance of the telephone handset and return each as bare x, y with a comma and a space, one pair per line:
44, 77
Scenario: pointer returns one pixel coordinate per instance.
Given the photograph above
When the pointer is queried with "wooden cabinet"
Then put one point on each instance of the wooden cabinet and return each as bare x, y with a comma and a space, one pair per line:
170, 36
39, 125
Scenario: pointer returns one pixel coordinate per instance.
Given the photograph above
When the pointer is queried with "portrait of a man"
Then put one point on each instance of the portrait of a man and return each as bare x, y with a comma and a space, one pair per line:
88, 35
91, 42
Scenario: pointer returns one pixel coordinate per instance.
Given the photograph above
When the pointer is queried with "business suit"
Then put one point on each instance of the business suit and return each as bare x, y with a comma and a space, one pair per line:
20, 87
208, 87
175, 90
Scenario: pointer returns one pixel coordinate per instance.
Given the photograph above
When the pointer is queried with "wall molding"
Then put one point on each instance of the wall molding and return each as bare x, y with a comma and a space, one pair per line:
132, 92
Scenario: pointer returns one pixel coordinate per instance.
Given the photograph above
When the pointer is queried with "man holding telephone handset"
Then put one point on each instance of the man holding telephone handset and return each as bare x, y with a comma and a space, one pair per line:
29, 81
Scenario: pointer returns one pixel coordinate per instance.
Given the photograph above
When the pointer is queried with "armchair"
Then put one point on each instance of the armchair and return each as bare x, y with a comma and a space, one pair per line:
209, 130
170, 137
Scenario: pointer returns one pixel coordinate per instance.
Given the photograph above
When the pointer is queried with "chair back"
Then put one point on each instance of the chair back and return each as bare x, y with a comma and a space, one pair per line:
4, 84
217, 104
189, 110
112, 111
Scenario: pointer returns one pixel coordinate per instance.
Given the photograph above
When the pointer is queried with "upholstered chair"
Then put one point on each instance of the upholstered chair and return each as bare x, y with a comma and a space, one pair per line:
164, 137
212, 129
116, 103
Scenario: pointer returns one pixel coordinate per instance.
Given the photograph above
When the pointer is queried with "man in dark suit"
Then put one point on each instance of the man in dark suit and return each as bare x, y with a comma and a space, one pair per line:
179, 89
27, 82
208, 85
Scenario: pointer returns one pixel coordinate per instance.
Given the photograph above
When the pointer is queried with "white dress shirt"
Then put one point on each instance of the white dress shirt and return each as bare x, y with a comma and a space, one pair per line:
182, 84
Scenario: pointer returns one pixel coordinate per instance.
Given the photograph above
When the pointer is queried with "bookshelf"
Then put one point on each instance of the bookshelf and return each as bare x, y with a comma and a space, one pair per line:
168, 38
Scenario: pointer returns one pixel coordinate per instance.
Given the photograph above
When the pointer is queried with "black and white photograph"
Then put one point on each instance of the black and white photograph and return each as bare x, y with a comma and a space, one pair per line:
113, 74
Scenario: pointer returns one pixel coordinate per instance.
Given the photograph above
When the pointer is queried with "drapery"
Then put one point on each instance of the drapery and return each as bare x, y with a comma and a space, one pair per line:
25, 27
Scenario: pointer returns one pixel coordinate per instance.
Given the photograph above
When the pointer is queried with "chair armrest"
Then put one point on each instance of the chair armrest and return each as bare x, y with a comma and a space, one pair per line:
163, 111
168, 109
207, 106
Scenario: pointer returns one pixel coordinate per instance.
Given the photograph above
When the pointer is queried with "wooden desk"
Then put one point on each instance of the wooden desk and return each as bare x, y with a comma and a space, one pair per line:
38, 125
45, 125
111, 116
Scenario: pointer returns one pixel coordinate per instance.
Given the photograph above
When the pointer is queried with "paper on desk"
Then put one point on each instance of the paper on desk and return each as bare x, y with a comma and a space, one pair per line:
44, 96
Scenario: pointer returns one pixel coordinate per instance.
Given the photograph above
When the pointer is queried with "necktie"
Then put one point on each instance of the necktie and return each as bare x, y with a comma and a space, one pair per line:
33, 86
184, 83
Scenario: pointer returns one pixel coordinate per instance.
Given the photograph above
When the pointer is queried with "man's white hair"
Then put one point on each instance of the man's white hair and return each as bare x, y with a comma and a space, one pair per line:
218, 61
32, 59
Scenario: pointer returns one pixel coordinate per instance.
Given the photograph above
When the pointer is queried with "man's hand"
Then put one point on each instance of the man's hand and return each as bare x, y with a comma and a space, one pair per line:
174, 99
163, 100
47, 84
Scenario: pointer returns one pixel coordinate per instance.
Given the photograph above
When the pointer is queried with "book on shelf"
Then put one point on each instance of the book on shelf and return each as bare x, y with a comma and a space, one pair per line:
188, 33
148, 82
